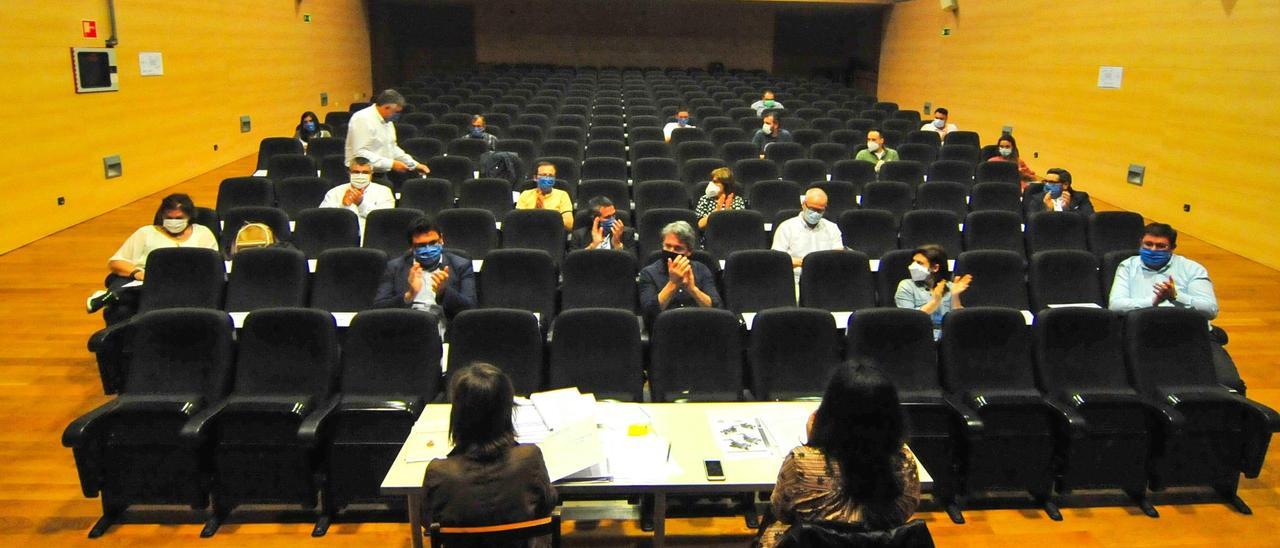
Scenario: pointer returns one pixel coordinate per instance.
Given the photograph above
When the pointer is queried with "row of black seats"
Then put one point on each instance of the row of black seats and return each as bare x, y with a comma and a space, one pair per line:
1084, 399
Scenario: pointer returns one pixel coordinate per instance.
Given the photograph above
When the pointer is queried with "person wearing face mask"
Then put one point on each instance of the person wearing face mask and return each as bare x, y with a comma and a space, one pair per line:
675, 280
371, 134
931, 289
721, 194
807, 232
766, 103
428, 277
360, 195
682, 121
309, 128
477, 131
876, 152
172, 226
939, 124
606, 231
1008, 152
770, 132
1159, 277
1056, 194
545, 195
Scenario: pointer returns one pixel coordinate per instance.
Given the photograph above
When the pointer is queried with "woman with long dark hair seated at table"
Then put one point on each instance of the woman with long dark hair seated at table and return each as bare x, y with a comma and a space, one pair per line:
855, 467
487, 479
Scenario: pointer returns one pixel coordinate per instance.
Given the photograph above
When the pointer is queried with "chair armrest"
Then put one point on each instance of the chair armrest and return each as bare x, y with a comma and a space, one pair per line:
1075, 421
309, 430
1173, 419
969, 417
80, 431
193, 431
1267, 416
412, 405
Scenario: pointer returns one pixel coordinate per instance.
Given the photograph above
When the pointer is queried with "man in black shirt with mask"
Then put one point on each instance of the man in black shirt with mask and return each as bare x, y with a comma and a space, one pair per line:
675, 281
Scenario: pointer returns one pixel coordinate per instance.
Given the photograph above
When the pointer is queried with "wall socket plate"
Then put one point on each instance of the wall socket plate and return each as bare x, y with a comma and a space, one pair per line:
245, 124
1006, 130
324, 99
112, 167
1136, 174
946, 31
928, 108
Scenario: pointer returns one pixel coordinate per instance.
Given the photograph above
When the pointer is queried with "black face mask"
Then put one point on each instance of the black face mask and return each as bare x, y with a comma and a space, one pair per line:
670, 255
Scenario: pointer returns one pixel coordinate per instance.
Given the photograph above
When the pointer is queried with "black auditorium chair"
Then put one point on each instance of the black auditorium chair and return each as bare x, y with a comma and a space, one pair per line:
472, 231
961, 152
1009, 427
899, 341
604, 168
267, 277
467, 147
904, 171
523, 279
772, 196
749, 171
562, 148
387, 230
696, 354
490, 194
567, 169
648, 149
842, 196
930, 138
298, 193
599, 278
346, 280
616, 190
333, 168
804, 171
892, 270
999, 279
931, 226
781, 152
689, 150
441, 132
541, 229
267, 435
1064, 276
791, 353
871, 231
759, 279
829, 153
390, 371
1208, 435
649, 227
892, 196
654, 168
319, 229
1079, 358
454, 169
284, 166
735, 151
920, 153
995, 197
1114, 231
1057, 230
956, 171
429, 195
597, 350
1110, 263
946, 195
836, 280
963, 138
246, 191
994, 230
509, 339
697, 170
857, 172
235, 218
733, 230
998, 172
526, 149
133, 450
272, 146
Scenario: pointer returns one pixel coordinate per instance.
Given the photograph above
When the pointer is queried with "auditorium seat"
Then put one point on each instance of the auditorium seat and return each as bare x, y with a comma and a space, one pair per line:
598, 351
792, 353
272, 146
993, 230
599, 278
506, 338
999, 279
931, 226
991, 196
1114, 231
268, 277
284, 166
892, 196
245, 191
235, 218
651, 222
346, 280
758, 279
427, 195
298, 193
733, 230
943, 195
684, 367
523, 279
1064, 276
541, 229
836, 280
320, 229
1056, 230
871, 231
387, 230
471, 231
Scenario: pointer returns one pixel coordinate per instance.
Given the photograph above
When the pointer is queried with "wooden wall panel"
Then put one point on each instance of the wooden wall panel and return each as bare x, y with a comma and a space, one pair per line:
1197, 106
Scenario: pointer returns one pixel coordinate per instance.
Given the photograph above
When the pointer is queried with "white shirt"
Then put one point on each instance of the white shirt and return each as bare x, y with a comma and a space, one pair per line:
941, 132
797, 239
150, 238
672, 126
371, 137
376, 196
426, 300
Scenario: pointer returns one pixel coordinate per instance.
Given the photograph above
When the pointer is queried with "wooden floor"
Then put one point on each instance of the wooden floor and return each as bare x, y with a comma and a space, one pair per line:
47, 378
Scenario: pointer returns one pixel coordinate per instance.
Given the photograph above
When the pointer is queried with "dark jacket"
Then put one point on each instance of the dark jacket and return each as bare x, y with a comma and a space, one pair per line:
654, 277
459, 290
510, 488
1034, 203
581, 238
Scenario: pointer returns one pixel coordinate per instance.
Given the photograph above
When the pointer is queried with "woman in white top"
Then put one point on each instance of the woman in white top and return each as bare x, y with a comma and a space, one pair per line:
172, 226
930, 288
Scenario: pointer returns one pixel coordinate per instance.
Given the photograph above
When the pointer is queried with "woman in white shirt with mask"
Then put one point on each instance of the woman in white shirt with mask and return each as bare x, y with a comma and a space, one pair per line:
931, 289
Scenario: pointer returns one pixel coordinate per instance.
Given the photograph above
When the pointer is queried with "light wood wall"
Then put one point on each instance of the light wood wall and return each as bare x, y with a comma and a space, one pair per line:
222, 60
1198, 106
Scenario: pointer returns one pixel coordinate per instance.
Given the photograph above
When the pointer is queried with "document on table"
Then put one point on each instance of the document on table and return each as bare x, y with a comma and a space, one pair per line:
560, 407
429, 438
772, 435
573, 448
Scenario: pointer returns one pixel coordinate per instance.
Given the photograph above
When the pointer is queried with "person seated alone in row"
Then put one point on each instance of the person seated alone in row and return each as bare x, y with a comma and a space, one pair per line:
488, 478
721, 194
808, 231
426, 277
360, 195
675, 280
172, 226
371, 134
546, 196
939, 124
766, 103
855, 466
1056, 194
1007, 148
479, 131
681, 121
606, 231
309, 128
770, 132
876, 152
930, 287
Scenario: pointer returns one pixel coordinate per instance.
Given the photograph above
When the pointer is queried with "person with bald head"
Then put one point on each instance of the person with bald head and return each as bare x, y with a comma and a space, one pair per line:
808, 231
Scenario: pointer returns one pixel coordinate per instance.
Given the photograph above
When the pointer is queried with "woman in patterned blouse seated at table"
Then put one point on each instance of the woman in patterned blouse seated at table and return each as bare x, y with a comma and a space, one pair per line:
856, 467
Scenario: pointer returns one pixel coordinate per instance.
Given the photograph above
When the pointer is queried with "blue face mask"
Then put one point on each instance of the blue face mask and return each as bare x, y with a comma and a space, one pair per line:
811, 217
477, 132
682, 121
1155, 259
428, 255
606, 225
545, 184
1054, 190
309, 126
394, 117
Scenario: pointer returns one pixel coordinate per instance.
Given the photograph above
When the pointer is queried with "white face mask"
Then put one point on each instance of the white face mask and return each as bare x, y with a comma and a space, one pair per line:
175, 226
713, 190
939, 123
360, 180
1006, 152
918, 272
766, 128
873, 146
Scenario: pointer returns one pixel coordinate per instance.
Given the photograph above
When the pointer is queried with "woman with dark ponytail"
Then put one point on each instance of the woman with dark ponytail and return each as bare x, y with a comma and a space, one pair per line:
856, 467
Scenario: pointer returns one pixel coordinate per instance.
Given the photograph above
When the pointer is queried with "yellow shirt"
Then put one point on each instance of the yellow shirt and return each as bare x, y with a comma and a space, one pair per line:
558, 200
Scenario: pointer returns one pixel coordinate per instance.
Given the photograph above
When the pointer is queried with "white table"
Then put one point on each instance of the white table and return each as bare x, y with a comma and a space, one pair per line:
685, 425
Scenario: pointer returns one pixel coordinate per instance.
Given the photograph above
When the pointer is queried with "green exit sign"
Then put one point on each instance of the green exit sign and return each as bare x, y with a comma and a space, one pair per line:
946, 31
306, 18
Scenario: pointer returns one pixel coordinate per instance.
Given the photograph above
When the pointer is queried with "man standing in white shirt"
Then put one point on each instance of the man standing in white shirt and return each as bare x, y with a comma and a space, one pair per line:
371, 134
939, 124
361, 195
807, 232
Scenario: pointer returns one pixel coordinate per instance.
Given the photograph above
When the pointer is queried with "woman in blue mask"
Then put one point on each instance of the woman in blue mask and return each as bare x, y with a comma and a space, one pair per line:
309, 128
1007, 149
931, 289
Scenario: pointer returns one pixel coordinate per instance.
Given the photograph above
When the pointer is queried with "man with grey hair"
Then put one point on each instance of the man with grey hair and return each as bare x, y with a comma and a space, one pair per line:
371, 134
675, 281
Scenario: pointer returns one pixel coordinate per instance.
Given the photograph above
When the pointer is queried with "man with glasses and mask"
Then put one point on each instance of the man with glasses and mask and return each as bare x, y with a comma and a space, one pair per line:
1158, 277
427, 277
371, 134
546, 196
479, 131
675, 280
807, 232
360, 195
606, 230
1057, 194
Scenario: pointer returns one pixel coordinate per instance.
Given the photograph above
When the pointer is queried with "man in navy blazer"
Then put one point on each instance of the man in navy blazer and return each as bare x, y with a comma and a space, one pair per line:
426, 277
1057, 194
